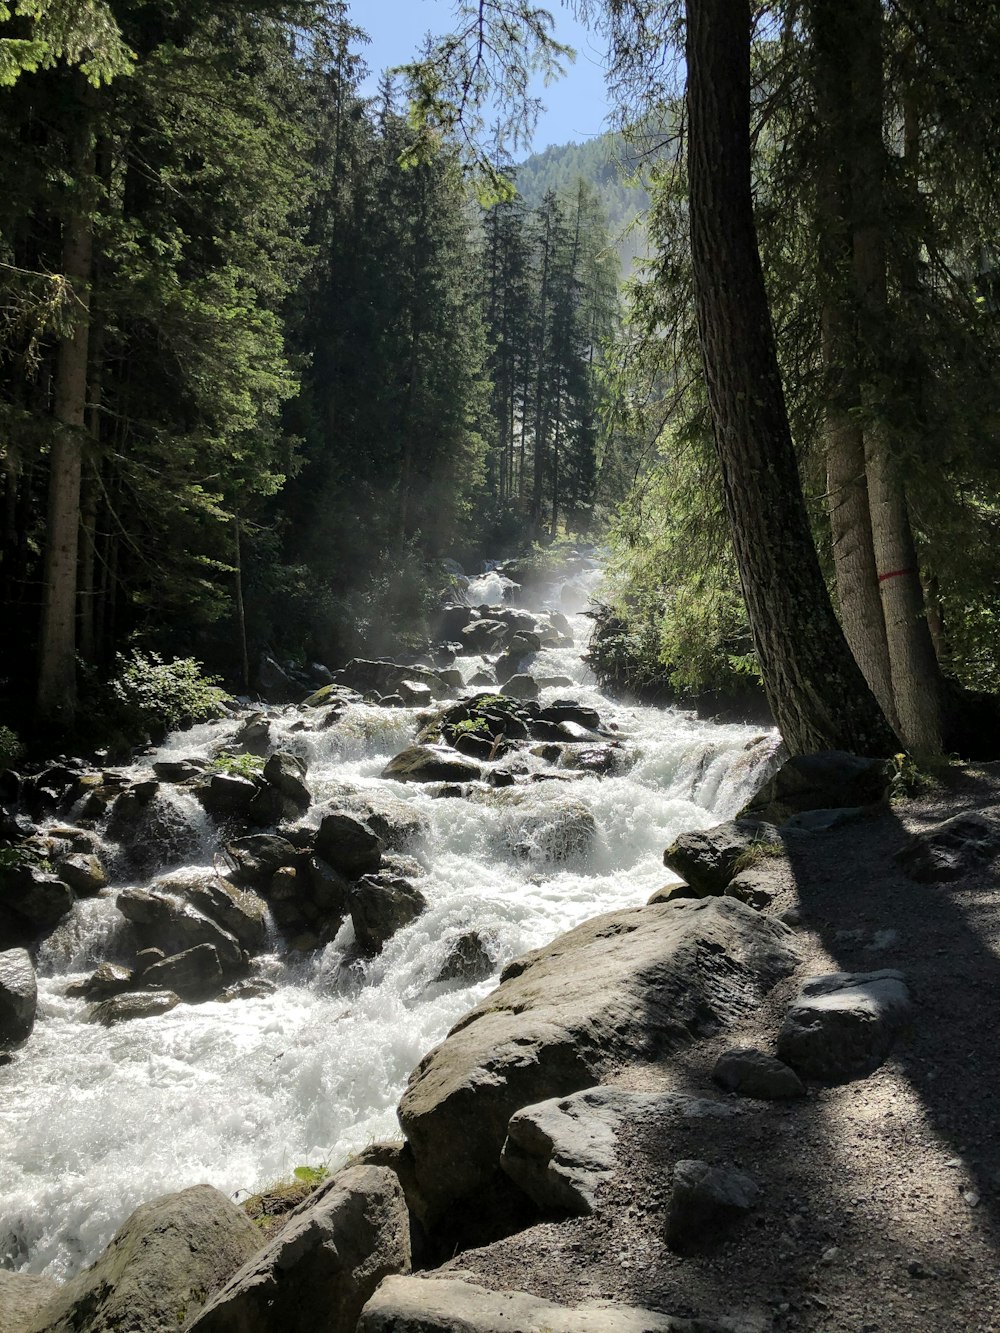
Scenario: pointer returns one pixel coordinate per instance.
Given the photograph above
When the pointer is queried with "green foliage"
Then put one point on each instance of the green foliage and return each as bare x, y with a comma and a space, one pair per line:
11, 748
79, 32
760, 849
311, 1175
166, 694
475, 726
238, 765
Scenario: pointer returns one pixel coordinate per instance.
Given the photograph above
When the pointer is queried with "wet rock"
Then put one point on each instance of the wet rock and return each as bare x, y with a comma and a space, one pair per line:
524, 642
275, 683
566, 710
123, 1008
380, 905
553, 833
430, 763
39, 898
22, 1296
18, 999
158, 1269
476, 746
107, 980
600, 759
483, 679
831, 779
705, 1201
83, 872
562, 1150
709, 859
236, 910
257, 856
250, 988
520, 687
414, 693
753, 1074
173, 925
286, 774
954, 848
194, 974
146, 958
227, 796
672, 893
482, 636
456, 1305
843, 1025
397, 822
628, 985
348, 845
324, 1263
179, 770
254, 737
468, 959
327, 888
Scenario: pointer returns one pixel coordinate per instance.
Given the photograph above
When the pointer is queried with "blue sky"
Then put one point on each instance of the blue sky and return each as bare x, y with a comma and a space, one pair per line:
576, 106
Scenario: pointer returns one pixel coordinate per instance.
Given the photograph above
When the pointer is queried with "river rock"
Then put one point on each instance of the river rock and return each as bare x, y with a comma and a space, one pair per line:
380, 905
226, 795
348, 845
152, 829
482, 636
952, 849
566, 710
83, 872
843, 1025
560, 1151
158, 1269
123, 1008
179, 770
468, 959
18, 999
105, 981
753, 1074
164, 922
414, 693
324, 1263
707, 860
821, 781
553, 833
259, 855
250, 988
37, 897
455, 1305
241, 913
253, 737
286, 774
520, 687
194, 974
22, 1296
629, 985
705, 1200
397, 822
430, 763
755, 886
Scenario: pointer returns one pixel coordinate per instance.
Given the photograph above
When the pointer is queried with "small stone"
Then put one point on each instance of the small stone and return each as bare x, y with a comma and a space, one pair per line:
754, 1074
829, 1255
971, 1198
705, 1200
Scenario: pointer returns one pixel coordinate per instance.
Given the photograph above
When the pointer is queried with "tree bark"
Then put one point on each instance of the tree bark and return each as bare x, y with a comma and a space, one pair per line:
56, 699
816, 690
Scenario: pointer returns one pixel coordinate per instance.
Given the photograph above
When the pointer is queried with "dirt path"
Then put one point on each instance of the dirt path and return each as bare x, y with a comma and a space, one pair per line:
881, 1207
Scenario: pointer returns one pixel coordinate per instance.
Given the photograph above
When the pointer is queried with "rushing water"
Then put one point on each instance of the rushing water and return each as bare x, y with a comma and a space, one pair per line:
94, 1120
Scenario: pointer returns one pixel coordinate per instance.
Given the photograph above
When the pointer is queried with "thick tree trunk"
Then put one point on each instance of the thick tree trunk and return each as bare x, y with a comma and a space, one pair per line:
916, 678
56, 700
817, 692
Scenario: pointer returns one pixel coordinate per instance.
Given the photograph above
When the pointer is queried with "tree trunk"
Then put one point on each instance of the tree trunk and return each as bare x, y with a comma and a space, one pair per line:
819, 697
846, 483
56, 700
916, 678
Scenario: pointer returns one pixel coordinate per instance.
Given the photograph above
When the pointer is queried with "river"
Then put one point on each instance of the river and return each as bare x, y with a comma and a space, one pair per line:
94, 1120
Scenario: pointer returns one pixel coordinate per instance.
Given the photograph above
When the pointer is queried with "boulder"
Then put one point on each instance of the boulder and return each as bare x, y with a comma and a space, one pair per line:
824, 781
396, 821
553, 833
952, 849
179, 770
843, 1025
107, 980
123, 1008
756, 886
520, 687
560, 1151
672, 893
468, 959
250, 988
164, 922
39, 898
227, 796
158, 1269
253, 737
324, 1263
22, 1296
18, 999
708, 860
566, 710
259, 855
482, 636
286, 774
599, 759
753, 1074
455, 1305
153, 829
629, 985
430, 763
239, 912
380, 905
348, 845
704, 1201
83, 872
414, 693
194, 974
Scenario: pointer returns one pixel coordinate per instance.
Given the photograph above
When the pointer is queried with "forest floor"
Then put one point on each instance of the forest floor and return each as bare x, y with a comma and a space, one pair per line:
881, 1197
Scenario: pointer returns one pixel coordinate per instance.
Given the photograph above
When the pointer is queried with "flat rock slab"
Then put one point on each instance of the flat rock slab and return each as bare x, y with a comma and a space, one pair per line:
630, 985
451, 1305
843, 1025
157, 1270
323, 1264
560, 1151
22, 1295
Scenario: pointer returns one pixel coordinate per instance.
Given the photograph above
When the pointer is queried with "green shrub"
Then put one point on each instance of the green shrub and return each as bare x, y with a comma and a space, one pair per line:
154, 693
11, 748
238, 765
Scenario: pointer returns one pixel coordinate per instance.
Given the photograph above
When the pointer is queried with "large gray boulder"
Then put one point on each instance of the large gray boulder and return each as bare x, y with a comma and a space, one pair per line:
158, 1269
380, 905
630, 985
124, 1008
165, 922
37, 897
708, 859
194, 974
823, 781
18, 999
242, 914
454, 1305
753, 1073
324, 1263
561, 1151
430, 763
843, 1025
22, 1295
286, 774
348, 845
399, 824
